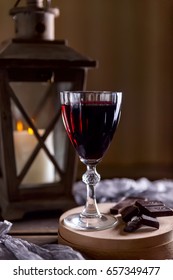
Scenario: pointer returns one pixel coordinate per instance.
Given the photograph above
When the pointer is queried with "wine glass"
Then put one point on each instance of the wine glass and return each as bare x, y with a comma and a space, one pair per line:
90, 119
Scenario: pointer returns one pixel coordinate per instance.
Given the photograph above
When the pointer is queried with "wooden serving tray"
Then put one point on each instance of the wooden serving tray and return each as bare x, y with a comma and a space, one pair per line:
114, 243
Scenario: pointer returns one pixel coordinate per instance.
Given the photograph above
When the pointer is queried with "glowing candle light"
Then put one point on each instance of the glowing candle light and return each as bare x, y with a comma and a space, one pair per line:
42, 169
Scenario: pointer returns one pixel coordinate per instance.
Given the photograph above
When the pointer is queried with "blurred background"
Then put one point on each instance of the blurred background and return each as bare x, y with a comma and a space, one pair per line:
132, 42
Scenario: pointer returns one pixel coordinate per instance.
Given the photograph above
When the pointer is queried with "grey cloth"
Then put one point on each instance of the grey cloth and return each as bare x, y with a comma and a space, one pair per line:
15, 248
116, 189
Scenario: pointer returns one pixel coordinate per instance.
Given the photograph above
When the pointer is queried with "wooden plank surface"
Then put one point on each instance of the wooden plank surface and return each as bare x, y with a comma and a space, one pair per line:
39, 228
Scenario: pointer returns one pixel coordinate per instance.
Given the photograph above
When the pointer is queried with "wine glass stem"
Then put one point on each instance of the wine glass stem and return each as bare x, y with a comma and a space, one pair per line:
91, 178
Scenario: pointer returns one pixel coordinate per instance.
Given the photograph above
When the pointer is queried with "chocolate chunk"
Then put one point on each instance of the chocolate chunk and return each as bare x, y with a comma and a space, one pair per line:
114, 210
133, 225
149, 221
151, 208
123, 203
159, 211
149, 203
138, 221
127, 213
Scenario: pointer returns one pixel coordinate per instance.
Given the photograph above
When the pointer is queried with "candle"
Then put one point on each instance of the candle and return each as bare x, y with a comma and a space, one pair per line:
42, 169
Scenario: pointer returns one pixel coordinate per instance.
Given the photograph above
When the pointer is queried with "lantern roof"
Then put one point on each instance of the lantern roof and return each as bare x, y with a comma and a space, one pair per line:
28, 53
34, 45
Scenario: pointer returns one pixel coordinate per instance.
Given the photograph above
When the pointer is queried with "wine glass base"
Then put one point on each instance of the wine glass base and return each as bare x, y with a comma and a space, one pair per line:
77, 222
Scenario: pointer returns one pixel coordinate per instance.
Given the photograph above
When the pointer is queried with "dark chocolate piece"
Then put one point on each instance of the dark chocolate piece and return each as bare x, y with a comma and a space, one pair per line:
149, 203
133, 225
114, 210
153, 210
149, 221
128, 212
159, 211
123, 203
139, 221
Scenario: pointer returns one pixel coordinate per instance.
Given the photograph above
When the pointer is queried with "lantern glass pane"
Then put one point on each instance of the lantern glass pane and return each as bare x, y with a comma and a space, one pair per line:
38, 133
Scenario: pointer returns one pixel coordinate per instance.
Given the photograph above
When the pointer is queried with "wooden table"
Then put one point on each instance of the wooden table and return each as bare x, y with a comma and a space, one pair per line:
39, 228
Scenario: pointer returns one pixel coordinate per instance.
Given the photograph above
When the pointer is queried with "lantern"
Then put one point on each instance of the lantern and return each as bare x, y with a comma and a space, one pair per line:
37, 162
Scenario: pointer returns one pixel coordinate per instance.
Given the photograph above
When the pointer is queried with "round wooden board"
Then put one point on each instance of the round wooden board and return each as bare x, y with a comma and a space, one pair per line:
114, 243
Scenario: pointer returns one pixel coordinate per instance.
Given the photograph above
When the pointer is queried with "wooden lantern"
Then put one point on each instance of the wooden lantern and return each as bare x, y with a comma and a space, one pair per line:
37, 162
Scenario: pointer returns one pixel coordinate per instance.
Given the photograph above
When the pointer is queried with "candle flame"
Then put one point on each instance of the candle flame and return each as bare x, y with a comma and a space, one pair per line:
19, 126
30, 131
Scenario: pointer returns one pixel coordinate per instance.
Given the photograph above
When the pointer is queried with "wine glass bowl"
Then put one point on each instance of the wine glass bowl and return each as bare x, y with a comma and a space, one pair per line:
90, 119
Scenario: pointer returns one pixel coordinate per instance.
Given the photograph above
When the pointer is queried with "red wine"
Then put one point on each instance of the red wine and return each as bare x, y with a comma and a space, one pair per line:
91, 126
